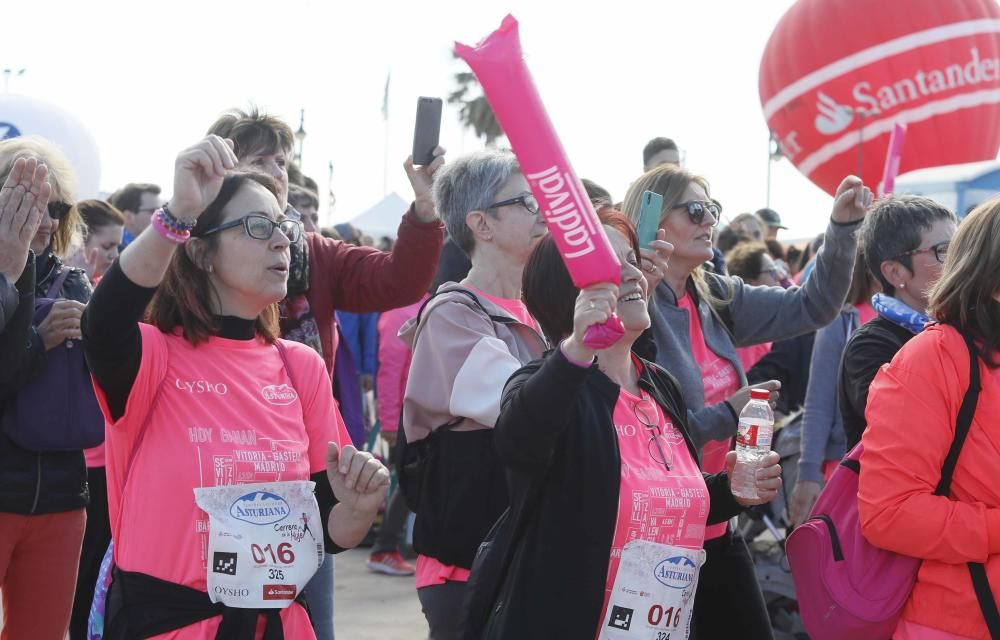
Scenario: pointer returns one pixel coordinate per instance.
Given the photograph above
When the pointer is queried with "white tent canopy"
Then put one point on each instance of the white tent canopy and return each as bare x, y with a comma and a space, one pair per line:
383, 218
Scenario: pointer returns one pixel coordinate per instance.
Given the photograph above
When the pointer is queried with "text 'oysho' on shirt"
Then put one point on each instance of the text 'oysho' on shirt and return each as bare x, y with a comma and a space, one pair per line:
223, 412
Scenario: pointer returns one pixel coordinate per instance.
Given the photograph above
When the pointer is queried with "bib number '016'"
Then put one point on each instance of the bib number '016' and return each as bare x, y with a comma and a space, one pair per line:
265, 542
653, 594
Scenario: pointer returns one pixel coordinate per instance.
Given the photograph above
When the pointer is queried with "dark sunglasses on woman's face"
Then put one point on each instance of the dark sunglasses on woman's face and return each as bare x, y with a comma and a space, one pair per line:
58, 210
697, 209
260, 227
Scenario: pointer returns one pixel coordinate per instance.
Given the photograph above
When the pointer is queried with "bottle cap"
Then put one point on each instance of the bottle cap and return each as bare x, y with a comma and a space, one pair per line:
760, 394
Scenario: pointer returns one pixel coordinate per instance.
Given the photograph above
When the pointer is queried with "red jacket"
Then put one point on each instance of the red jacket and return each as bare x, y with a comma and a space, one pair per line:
912, 409
363, 279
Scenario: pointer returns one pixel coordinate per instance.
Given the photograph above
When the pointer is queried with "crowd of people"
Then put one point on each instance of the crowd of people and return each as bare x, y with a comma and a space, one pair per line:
204, 397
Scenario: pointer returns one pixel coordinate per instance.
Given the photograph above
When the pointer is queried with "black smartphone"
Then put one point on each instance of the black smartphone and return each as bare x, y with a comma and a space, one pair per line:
427, 131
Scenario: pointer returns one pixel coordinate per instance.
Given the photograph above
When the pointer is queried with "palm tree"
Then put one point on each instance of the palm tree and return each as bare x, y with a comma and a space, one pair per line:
474, 112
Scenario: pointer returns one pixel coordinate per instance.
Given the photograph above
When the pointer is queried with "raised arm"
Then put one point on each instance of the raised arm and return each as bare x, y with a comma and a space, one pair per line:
361, 279
110, 325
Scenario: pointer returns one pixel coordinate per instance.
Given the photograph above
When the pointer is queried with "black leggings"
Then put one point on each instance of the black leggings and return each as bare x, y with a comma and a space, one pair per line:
729, 603
95, 543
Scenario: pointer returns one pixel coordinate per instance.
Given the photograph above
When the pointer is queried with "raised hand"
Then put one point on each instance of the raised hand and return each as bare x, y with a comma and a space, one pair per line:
594, 305
24, 199
421, 179
852, 200
656, 258
198, 174
359, 481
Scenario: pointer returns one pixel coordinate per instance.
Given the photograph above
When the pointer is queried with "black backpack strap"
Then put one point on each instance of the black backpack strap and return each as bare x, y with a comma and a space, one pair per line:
964, 421
984, 595
475, 299
977, 571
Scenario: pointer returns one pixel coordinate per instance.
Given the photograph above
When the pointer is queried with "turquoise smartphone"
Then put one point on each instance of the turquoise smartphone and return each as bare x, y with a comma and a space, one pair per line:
649, 217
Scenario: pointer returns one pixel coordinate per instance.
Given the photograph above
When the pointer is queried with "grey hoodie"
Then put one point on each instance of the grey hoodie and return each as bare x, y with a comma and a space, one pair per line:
759, 314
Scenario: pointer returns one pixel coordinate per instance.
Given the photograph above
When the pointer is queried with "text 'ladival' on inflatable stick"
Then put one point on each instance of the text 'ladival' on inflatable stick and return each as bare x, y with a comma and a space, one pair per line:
499, 64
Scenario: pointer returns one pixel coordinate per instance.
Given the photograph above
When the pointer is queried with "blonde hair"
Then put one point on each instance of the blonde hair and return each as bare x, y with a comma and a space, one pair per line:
964, 295
60, 176
671, 182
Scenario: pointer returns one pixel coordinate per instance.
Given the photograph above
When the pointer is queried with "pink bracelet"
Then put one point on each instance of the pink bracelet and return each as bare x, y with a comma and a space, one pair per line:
177, 237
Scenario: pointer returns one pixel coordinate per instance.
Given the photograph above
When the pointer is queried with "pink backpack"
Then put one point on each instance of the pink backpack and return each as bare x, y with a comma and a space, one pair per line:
848, 588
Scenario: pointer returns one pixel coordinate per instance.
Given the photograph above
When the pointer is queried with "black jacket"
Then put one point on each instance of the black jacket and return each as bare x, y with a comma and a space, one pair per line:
871, 346
9, 297
556, 436
788, 362
37, 482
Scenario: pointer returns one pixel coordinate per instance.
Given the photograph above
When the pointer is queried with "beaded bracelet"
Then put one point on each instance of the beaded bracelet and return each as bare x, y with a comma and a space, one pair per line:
170, 227
174, 223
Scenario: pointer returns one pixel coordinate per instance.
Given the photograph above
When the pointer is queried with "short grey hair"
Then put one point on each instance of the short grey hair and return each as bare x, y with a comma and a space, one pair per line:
893, 226
469, 184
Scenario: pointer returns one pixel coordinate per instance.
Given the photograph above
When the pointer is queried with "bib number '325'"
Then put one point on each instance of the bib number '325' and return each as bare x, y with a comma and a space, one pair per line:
265, 542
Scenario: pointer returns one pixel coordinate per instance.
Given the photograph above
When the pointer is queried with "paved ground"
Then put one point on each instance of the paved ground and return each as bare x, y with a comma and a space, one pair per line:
375, 607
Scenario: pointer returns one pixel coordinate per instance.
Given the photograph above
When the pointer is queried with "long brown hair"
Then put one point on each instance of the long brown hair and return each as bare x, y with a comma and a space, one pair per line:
671, 182
964, 295
184, 298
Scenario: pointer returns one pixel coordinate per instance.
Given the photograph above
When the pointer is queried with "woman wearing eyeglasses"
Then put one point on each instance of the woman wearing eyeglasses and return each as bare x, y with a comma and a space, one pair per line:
206, 397
42, 493
698, 321
904, 240
466, 342
609, 504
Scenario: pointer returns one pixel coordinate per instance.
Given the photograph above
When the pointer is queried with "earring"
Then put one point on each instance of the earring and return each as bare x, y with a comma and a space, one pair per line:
902, 285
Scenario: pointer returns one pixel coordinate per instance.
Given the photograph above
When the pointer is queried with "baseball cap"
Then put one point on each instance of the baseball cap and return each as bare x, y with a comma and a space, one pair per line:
770, 218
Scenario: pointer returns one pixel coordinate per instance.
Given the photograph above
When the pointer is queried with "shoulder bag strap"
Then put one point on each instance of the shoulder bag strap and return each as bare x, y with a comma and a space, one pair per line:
58, 283
977, 571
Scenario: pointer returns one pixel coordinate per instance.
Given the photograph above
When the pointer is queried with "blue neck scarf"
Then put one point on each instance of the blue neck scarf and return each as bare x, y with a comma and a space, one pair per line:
897, 312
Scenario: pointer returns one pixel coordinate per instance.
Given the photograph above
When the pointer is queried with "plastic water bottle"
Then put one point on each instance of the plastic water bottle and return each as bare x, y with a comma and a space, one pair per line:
753, 442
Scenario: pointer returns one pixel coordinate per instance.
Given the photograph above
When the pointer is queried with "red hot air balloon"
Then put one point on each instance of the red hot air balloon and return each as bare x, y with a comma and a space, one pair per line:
838, 74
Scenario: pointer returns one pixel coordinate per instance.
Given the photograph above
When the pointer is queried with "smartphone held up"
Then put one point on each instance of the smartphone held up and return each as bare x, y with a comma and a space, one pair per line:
427, 130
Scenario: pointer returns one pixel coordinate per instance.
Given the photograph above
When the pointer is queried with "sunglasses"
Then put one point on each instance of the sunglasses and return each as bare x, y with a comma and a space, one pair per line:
659, 448
940, 251
59, 210
260, 227
698, 209
527, 201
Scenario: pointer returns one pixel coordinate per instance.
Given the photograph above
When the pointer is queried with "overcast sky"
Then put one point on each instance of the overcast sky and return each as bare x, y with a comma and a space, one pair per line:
147, 78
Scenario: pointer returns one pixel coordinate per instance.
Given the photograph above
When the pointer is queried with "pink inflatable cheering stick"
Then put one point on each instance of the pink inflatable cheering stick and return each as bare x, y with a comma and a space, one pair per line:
499, 64
892, 157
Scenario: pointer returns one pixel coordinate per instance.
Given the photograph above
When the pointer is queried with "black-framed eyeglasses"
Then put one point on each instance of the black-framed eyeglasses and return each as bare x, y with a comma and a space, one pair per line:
658, 447
940, 251
260, 227
697, 209
59, 210
526, 200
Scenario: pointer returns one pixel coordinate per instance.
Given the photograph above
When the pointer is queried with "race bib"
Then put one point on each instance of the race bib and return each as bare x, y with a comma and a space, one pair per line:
265, 542
653, 595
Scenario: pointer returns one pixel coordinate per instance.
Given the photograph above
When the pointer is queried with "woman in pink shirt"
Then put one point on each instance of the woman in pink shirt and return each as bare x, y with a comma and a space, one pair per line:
204, 399
608, 500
